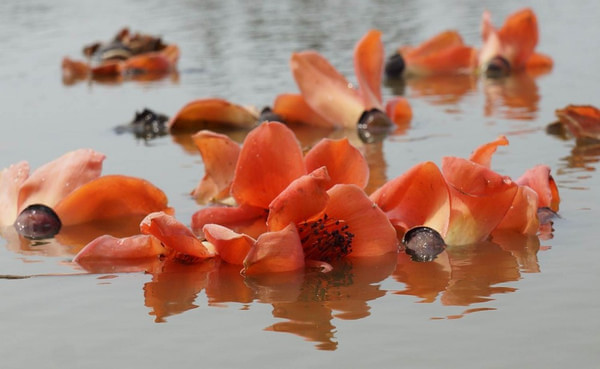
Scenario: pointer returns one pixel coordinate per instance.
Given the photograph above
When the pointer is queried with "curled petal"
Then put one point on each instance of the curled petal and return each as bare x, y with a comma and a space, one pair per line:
232, 247
541, 181
174, 235
270, 160
483, 154
480, 199
236, 218
581, 120
53, 181
302, 199
399, 110
292, 108
345, 164
108, 247
220, 155
279, 251
326, 91
11, 180
373, 233
522, 215
418, 197
368, 67
110, 197
204, 113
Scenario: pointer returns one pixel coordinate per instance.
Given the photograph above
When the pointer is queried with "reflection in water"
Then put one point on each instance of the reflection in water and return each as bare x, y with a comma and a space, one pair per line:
513, 97
442, 89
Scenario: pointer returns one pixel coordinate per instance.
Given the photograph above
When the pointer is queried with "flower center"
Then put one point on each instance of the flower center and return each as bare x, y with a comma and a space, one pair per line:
325, 239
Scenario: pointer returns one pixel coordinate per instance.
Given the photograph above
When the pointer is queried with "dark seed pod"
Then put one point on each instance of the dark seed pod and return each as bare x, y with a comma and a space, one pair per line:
37, 222
394, 66
423, 243
268, 115
373, 125
497, 67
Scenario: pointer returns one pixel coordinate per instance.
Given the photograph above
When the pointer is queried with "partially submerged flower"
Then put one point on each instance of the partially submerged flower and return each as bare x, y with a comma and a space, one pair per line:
210, 113
581, 121
328, 99
512, 47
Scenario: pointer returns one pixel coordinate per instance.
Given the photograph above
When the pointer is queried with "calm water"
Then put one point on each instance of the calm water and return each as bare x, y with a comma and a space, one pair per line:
513, 303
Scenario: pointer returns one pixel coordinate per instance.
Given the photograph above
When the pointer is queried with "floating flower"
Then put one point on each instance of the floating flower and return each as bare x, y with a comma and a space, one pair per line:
328, 99
581, 121
72, 189
511, 48
444, 53
212, 112
465, 201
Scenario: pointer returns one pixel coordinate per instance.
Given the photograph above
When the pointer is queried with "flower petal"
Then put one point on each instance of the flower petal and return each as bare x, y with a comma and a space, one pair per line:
483, 154
418, 197
325, 90
110, 197
109, 247
11, 179
581, 120
53, 181
522, 215
273, 252
368, 67
292, 108
174, 235
232, 247
270, 160
541, 181
302, 199
220, 155
345, 164
480, 199
399, 110
373, 233
204, 113
235, 218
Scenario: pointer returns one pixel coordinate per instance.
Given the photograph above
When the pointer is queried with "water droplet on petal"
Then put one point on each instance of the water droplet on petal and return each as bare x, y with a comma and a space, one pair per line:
37, 222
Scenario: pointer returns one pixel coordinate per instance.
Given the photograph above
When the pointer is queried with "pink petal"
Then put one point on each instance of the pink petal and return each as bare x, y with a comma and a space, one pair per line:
541, 181
11, 180
108, 247
235, 218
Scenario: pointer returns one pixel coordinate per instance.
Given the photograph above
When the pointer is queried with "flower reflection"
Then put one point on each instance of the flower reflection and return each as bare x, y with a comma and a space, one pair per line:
512, 97
443, 89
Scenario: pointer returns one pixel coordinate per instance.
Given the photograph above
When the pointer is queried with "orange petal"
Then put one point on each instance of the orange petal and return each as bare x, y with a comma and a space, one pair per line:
302, 199
219, 154
541, 181
345, 164
232, 247
373, 233
270, 160
235, 218
204, 113
175, 235
453, 59
522, 215
109, 247
483, 154
418, 197
11, 180
172, 53
53, 181
581, 120
110, 197
325, 90
399, 110
274, 252
435, 44
154, 62
74, 70
480, 199
292, 108
539, 61
108, 69
368, 67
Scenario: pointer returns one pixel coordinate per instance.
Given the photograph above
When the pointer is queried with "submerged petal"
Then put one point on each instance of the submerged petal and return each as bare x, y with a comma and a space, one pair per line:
279, 251
368, 67
325, 90
109, 247
204, 113
220, 155
11, 180
232, 247
345, 164
270, 160
110, 197
418, 197
373, 233
175, 235
53, 181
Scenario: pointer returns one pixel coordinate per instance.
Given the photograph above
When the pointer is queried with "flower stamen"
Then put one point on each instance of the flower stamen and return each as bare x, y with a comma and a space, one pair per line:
325, 239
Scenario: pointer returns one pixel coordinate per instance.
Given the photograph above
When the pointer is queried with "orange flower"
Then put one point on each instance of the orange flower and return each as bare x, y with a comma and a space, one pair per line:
72, 189
511, 48
466, 200
327, 99
444, 53
582, 121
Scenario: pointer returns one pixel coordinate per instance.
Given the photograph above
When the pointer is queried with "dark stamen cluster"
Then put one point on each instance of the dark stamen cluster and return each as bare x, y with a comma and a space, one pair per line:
325, 239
